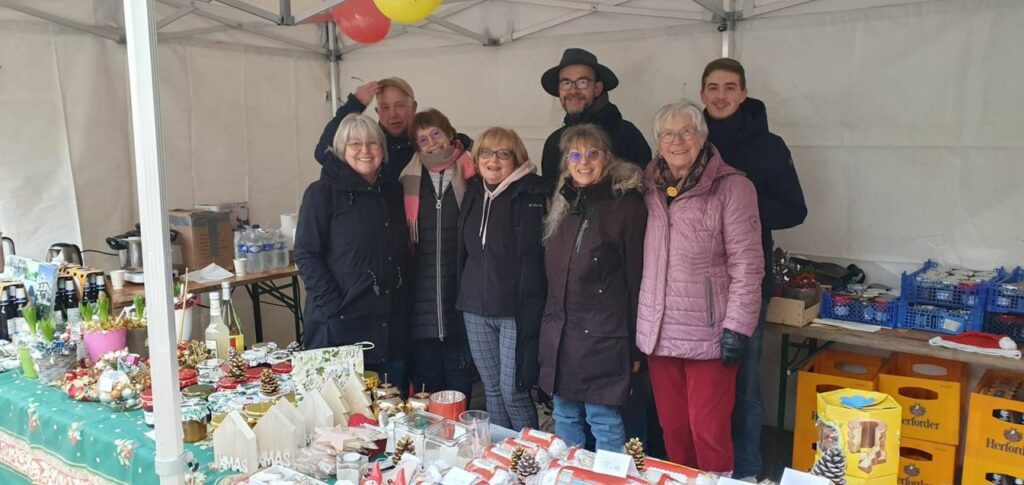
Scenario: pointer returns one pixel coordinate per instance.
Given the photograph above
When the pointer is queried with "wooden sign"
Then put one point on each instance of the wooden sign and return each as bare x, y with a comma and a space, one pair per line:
333, 396
234, 445
316, 412
289, 411
355, 398
275, 439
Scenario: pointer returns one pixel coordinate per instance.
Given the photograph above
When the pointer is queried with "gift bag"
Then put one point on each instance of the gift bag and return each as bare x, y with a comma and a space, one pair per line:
311, 368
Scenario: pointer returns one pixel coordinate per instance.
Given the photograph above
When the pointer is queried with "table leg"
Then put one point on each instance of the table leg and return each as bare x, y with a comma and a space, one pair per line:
780, 421
257, 314
297, 310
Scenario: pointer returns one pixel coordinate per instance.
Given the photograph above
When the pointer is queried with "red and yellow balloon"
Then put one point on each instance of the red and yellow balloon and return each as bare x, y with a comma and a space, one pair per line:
361, 21
407, 11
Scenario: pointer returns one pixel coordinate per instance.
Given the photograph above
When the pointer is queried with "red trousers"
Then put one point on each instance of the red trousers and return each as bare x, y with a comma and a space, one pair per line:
695, 400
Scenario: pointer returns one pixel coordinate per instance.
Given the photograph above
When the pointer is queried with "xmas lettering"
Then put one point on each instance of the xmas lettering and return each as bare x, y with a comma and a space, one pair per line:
233, 463
275, 458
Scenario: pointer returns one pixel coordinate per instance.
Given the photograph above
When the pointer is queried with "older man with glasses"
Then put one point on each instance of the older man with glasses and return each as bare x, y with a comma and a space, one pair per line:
582, 85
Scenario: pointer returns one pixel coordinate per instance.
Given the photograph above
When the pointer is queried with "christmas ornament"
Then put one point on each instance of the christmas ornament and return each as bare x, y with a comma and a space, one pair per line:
191, 354
515, 458
527, 468
237, 366
403, 446
831, 465
268, 383
635, 449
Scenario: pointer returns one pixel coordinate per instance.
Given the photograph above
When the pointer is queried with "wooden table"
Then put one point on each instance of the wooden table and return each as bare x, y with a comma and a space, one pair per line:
815, 338
256, 284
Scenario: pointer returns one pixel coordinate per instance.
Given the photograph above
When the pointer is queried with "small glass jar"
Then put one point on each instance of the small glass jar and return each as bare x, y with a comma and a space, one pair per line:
197, 391
194, 414
415, 425
350, 468
449, 442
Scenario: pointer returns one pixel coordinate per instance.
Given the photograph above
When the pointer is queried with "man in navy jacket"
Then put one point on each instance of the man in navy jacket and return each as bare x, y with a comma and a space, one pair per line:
738, 126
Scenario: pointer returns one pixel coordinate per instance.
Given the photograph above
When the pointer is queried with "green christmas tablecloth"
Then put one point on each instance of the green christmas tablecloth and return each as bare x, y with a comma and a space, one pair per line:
50, 438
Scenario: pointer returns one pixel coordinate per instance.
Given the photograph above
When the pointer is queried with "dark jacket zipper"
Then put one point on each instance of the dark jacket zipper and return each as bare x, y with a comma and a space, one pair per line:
437, 270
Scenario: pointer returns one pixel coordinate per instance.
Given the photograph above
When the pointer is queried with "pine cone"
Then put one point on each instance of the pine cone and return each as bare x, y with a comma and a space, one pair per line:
832, 466
527, 468
635, 449
517, 456
403, 446
237, 366
268, 383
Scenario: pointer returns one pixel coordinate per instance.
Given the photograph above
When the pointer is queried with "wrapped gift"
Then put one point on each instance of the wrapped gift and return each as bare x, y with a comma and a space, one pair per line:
859, 433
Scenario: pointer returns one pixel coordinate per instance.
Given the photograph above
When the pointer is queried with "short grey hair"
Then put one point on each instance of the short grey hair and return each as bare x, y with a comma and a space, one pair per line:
360, 124
683, 107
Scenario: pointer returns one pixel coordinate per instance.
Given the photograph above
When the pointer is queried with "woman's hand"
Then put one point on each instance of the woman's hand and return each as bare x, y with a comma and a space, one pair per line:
733, 346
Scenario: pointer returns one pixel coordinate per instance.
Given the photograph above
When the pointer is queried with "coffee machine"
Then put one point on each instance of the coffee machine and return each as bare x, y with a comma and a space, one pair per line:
129, 252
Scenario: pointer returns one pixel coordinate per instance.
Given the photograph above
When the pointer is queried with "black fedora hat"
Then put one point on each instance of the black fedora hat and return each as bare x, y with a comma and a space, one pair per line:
573, 56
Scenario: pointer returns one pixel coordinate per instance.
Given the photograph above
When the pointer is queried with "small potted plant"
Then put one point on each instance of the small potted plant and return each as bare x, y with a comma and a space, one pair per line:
101, 333
137, 331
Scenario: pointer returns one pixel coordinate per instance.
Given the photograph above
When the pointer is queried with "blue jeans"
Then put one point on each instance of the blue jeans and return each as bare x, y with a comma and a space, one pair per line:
749, 408
572, 417
441, 365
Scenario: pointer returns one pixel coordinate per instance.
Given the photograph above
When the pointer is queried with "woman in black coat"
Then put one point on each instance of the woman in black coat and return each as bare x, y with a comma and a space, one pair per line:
501, 274
594, 238
350, 246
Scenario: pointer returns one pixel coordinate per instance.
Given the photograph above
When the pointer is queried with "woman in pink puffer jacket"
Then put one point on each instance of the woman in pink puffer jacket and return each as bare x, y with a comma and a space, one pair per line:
701, 288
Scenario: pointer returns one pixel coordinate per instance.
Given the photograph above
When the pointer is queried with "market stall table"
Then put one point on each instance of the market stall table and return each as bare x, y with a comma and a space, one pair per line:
48, 438
817, 337
256, 284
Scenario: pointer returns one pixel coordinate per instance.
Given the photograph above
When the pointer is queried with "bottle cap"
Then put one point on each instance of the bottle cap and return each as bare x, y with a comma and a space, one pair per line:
20, 292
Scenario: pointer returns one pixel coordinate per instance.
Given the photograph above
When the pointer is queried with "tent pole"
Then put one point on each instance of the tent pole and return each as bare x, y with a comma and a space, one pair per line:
140, 36
729, 32
332, 48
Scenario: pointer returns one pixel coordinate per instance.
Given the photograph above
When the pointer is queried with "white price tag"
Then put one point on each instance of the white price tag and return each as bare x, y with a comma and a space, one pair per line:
951, 325
793, 477
458, 476
614, 464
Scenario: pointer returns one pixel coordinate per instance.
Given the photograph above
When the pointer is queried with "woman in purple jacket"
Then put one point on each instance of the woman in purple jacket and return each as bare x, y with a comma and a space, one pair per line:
701, 289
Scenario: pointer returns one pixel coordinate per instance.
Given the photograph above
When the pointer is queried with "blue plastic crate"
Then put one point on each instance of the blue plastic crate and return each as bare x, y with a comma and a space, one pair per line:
946, 295
1007, 300
885, 314
993, 324
938, 319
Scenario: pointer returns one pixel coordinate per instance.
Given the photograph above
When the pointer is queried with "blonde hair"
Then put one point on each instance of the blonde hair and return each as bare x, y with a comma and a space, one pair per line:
358, 124
500, 137
586, 134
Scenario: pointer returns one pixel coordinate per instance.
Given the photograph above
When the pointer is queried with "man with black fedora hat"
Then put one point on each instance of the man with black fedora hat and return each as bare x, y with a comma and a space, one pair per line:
582, 85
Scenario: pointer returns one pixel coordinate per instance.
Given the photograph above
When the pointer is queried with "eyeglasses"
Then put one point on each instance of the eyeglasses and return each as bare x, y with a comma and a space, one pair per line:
581, 83
435, 135
673, 136
501, 154
576, 156
357, 146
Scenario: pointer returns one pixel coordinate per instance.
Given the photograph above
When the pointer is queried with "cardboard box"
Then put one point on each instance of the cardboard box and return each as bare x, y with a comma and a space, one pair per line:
931, 393
987, 472
995, 424
792, 312
829, 371
865, 426
205, 237
238, 212
926, 463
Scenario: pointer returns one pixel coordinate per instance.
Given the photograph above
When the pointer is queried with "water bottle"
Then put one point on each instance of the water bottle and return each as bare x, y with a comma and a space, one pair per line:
269, 259
282, 249
255, 252
238, 241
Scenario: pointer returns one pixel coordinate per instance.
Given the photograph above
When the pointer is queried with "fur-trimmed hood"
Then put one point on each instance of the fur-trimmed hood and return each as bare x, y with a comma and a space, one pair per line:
620, 178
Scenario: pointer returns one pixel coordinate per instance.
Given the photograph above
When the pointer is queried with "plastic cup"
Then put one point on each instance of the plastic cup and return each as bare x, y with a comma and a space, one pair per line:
117, 279
240, 266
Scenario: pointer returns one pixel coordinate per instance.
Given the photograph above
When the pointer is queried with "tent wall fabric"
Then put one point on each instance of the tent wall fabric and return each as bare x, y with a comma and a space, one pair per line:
239, 123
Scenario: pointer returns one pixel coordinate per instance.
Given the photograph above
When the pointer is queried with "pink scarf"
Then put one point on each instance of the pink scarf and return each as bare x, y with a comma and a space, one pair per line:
437, 163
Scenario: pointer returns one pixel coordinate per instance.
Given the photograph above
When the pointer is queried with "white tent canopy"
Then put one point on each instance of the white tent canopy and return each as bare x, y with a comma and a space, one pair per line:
904, 117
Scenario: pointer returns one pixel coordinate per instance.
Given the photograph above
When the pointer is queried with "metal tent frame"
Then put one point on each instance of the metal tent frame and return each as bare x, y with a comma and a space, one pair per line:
141, 34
